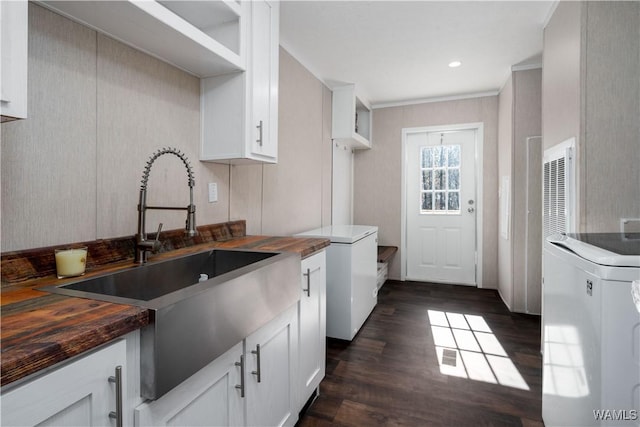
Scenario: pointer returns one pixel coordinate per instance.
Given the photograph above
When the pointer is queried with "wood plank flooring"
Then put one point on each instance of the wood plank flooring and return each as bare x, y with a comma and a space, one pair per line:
389, 374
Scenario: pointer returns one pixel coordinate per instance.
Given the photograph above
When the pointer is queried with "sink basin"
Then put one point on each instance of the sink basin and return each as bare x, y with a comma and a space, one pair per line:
154, 280
192, 321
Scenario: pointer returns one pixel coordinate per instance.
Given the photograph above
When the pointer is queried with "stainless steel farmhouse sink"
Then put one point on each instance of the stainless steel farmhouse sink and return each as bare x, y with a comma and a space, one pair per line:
193, 321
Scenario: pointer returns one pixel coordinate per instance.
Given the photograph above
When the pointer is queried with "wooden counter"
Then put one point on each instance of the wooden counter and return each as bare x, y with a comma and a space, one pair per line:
39, 329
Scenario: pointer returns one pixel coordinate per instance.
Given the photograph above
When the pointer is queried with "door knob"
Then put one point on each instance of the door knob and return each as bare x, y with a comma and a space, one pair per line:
470, 210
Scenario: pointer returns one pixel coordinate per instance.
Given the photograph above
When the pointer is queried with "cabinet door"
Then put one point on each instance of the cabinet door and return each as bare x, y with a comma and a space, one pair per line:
76, 394
263, 124
270, 369
364, 277
208, 398
13, 78
312, 326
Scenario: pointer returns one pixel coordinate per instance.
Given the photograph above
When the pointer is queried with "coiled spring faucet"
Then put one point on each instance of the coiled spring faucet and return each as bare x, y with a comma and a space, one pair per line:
144, 246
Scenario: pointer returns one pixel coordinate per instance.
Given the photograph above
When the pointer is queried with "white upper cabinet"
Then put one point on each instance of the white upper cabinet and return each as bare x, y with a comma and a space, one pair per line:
201, 37
14, 35
351, 118
240, 110
263, 63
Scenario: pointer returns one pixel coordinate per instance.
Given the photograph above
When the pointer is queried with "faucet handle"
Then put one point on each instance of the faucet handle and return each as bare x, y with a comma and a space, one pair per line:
156, 242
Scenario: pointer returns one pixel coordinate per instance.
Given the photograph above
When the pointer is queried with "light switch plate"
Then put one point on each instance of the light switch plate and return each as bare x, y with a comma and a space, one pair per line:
213, 192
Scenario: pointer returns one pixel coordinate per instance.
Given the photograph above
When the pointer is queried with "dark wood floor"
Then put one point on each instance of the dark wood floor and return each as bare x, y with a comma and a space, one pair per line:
389, 374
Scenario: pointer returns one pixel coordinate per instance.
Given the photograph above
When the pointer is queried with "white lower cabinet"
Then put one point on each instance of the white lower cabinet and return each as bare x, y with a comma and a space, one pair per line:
271, 367
262, 381
312, 326
78, 393
252, 384
208, 398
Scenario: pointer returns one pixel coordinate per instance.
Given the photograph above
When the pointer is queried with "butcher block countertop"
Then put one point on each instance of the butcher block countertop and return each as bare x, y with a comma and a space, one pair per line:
40, 329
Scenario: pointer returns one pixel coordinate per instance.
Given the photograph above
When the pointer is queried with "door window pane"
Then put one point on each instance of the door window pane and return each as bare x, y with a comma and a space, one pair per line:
454, 179
427, 201
439, 156
440, 175
440, 201
454, 201
427, 179
454, 156
439, 179
427, 157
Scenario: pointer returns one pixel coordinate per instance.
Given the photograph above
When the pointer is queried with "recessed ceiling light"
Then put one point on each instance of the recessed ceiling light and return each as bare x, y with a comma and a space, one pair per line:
455, 64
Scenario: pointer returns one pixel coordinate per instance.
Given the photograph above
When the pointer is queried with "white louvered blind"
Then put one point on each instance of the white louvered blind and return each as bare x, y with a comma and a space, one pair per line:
558, 189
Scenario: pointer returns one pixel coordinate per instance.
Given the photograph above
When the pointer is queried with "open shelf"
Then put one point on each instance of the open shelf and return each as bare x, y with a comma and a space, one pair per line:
200, 37
351, 118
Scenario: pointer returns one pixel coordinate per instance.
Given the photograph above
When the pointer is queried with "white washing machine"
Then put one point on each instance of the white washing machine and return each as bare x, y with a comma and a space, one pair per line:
591, 330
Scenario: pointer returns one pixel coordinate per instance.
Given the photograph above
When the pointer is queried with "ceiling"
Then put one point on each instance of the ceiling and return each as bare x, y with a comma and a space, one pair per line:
398, 51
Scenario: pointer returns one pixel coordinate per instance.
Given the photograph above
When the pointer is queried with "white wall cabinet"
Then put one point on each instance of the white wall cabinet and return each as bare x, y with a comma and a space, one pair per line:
351, 118
203, 38
14, 36
78, 393
239, 111
312, 326
209, 397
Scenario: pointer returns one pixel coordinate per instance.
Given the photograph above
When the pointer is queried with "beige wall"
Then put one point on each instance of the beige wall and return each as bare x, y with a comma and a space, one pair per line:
505, 169
519, 117
98, 109
611, 111
293, 195
377, 172
591, 90
527, 116
561, 74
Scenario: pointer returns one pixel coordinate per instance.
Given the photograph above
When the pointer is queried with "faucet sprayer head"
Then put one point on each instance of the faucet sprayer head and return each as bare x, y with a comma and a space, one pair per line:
190, 226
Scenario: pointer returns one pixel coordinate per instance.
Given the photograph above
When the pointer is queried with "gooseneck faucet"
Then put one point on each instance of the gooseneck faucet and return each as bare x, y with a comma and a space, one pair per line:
144, 246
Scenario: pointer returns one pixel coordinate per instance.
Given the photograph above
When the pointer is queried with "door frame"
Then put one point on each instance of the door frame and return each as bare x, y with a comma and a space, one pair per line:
479, 145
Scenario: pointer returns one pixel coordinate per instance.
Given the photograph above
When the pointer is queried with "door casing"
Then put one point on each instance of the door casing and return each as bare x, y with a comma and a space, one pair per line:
479, 128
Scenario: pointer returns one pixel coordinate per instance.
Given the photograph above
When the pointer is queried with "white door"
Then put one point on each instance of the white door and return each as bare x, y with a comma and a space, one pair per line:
441, 206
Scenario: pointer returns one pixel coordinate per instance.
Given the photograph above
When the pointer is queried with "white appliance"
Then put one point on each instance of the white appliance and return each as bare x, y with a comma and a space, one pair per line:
591, 330
351, 276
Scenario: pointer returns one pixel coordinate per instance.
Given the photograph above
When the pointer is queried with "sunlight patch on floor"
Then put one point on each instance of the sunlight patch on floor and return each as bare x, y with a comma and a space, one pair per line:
467, 348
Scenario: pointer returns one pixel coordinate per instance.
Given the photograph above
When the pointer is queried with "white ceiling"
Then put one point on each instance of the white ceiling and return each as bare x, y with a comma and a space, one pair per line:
398, 51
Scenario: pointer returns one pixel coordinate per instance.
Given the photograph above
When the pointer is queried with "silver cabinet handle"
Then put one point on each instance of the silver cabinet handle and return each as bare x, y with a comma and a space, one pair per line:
308, 276
117, 414
259, 127
308, 290
241, 385
257, 371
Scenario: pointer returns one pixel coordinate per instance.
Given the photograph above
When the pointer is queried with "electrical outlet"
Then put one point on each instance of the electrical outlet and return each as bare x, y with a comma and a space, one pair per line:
213, 192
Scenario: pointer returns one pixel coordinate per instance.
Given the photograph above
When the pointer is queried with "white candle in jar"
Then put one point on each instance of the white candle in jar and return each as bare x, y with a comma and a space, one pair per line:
71, 262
